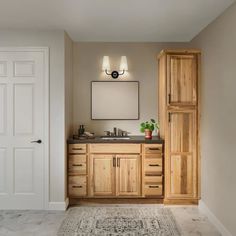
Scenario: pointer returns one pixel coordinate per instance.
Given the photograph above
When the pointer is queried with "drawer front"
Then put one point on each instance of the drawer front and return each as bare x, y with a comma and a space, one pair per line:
153, 166
77, 148
77, 164
115, 148
153, 180
77, 186
153, 189
152, 148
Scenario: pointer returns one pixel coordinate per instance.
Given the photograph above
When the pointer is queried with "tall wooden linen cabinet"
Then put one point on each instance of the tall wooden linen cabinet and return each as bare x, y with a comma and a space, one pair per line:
179, 75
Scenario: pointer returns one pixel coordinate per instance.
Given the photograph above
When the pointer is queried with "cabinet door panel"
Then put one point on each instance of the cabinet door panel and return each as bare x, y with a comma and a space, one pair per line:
182, 79
181, 132
128, 175
181, 167
102, 171
181, 175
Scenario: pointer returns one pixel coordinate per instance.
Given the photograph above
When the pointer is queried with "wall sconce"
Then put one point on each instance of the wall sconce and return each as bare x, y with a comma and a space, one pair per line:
114, 74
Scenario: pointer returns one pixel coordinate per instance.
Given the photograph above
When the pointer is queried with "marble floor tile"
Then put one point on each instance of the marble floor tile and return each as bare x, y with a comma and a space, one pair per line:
190, 221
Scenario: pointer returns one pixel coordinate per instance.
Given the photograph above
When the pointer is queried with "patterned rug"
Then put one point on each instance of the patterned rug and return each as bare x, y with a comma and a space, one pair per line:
119, 221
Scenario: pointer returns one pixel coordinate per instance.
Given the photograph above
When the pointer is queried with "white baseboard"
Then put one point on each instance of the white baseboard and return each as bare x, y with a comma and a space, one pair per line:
214, 220
58, 206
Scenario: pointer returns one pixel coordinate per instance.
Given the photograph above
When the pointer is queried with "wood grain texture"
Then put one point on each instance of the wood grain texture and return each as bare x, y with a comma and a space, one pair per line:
77, 164
100, 200
77, 186
180, 127
77, 148
128, 173
163, 96
115, 148
102, 175
182, 79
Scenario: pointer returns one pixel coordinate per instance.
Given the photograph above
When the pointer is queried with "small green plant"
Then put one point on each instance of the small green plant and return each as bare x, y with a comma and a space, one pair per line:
149, 125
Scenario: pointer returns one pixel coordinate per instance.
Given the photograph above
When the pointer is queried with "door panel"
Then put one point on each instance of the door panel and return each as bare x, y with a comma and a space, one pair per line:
181, 132
23, 68
3, 104
3, 161
22, 120
181, 163
128, 175
3, 68
24, 170
182, 79
181, 175
23, 109
103, 174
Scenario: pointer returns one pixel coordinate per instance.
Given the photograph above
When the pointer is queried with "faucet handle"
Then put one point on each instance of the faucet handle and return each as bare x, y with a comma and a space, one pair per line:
124, 133
107, 133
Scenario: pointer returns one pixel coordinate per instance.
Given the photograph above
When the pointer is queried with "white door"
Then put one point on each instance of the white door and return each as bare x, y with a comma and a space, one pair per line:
23, 106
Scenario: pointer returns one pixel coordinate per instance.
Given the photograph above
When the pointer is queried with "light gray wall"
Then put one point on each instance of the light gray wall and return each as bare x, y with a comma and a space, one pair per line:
55, 41
142, 63
68, 95
218, 129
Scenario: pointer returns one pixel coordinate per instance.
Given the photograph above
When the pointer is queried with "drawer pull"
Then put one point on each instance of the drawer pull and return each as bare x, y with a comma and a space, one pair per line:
118, 162
77, 165
153, 149
114, 162
77, 148
77, 186
153, 186
154, 165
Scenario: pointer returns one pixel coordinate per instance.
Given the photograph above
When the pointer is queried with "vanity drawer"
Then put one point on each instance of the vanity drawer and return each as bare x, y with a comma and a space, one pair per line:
77, 164
77, 148
115, 148
77, 186
152, 148
153, 189
153, 166
153, 180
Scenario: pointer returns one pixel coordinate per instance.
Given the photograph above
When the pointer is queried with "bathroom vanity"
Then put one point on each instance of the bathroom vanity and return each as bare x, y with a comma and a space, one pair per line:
126, 168
137, 168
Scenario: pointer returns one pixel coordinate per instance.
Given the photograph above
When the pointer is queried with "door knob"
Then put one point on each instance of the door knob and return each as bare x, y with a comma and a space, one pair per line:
37, 141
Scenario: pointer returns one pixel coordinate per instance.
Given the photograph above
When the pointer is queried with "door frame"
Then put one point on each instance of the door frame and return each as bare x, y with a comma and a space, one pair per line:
45, 51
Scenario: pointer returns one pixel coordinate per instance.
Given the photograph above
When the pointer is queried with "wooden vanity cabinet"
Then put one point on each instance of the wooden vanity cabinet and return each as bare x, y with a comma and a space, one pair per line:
107, 170
179, 75
153, 170
115, 170
77, 170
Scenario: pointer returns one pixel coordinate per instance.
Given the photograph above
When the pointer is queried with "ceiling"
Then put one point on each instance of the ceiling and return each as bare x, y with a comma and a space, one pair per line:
114, 20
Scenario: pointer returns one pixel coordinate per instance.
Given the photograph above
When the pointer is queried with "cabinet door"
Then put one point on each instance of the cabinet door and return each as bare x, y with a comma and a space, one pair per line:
182, 73
102, 175
181, 163
128, 175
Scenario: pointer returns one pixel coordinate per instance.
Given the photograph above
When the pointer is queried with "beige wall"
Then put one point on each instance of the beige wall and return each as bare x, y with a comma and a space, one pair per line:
55, 41
142, 65
218, 129
68, 96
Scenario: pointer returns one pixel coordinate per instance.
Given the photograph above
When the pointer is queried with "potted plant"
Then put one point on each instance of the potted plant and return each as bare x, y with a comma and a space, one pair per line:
148, 127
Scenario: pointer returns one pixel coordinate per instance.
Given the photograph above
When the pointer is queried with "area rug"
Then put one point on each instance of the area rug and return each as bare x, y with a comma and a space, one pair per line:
119, 221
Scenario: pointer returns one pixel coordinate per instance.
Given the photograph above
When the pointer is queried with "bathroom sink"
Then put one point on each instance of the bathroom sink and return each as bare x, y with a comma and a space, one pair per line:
115, 137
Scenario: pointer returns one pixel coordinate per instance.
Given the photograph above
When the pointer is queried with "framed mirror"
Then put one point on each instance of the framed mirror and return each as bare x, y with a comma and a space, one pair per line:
117, 100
